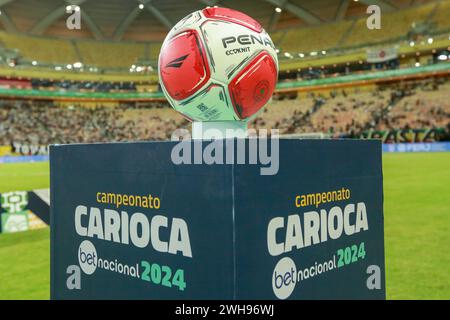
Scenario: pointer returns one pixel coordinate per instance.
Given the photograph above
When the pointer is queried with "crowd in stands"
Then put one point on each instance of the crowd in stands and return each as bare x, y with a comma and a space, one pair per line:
342, 112
348, 112
41, 123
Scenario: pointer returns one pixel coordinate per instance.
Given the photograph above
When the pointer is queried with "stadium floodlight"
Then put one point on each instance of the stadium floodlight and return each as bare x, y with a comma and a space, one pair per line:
141, 6
71, 7
430, 40
34, 62
324, 52
278, 10
417, 64
412, 44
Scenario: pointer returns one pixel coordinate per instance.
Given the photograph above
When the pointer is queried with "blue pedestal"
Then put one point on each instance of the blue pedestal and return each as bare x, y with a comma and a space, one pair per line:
127, 223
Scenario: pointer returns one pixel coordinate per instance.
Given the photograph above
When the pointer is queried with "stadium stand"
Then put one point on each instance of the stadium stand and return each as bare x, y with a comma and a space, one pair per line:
342, 112
398, 24
425, 105
111, 55
306, 40
44, 50
116, 103
41, 123
440, 18
347, 33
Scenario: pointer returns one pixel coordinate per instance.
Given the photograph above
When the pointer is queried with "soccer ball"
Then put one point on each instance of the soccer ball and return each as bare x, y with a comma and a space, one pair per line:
218, 64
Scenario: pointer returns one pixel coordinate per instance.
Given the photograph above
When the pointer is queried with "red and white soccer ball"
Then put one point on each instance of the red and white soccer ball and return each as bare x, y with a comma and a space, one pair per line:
218, 64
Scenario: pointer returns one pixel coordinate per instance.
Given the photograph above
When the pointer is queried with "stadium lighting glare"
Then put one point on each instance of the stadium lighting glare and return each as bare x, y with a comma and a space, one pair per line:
313, 53
430, 40
71, 7
417, 64
442, 57
278, 10
34, 62
324, 52
412, 44
141, 6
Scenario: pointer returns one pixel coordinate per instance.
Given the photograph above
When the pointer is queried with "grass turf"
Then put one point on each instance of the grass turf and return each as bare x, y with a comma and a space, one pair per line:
24, 176
25, 265
417, 225
417, 230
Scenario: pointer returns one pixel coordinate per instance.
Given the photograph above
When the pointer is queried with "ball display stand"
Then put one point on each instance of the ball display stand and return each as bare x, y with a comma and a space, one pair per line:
129, 222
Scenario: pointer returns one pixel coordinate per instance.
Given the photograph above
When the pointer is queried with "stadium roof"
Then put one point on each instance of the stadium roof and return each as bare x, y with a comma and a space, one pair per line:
149, 20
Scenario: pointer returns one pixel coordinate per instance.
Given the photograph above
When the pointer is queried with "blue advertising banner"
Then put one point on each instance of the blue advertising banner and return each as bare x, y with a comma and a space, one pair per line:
417, 147
300, 219
17, 159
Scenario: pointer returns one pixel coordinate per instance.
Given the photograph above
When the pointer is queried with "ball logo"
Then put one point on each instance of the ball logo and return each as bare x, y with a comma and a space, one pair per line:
87, 257
261, 90
176, 63
284, 278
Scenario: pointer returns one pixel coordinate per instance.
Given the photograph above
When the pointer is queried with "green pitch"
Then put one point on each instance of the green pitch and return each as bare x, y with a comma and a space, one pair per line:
417, 230
24, 176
